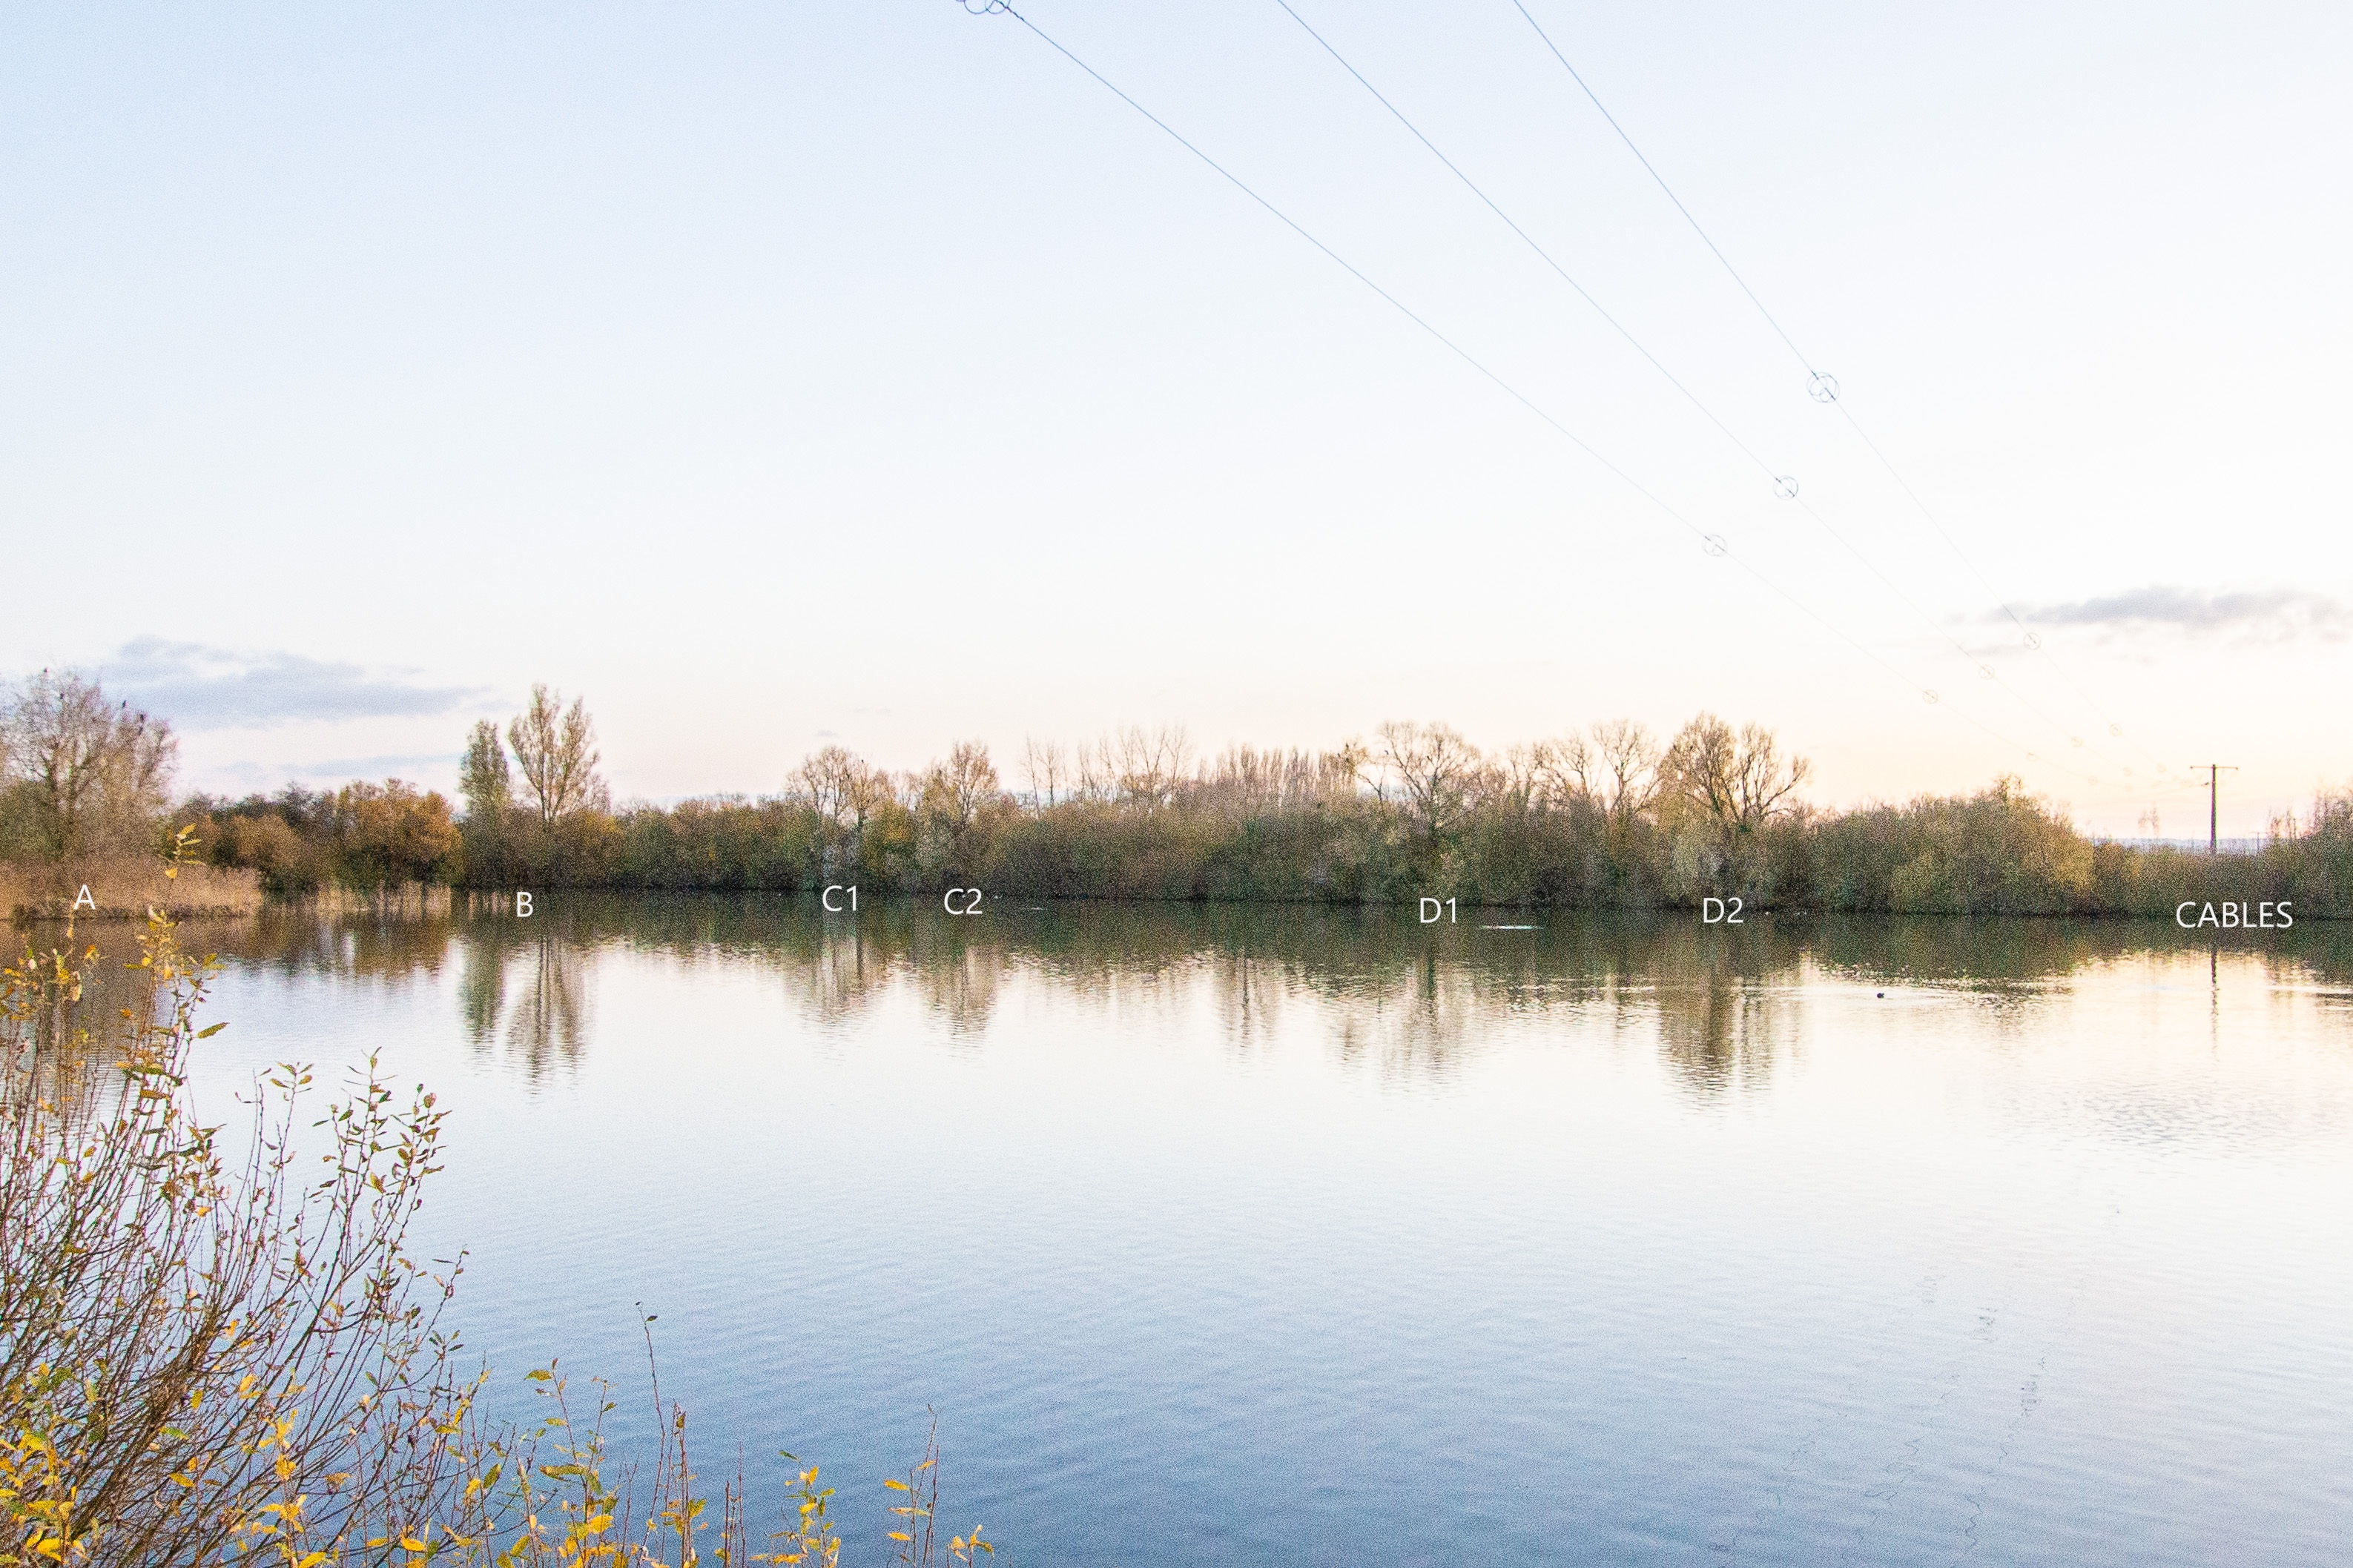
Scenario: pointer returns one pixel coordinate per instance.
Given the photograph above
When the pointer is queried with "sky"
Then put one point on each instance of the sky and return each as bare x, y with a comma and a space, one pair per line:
786, 375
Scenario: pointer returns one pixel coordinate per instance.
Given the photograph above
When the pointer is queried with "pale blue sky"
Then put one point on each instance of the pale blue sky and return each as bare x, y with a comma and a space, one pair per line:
779, 374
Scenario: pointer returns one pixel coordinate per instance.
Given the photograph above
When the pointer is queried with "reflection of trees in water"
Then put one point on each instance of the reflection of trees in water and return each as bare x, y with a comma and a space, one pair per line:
524, 992
1999, 956
1720, 1030
1247, 991
960, 982
956, 972
1403, 997
64, 1040
1420, 1001
550, 1018
481, 987
299, 939
1408, 1023
839, 978
521, 984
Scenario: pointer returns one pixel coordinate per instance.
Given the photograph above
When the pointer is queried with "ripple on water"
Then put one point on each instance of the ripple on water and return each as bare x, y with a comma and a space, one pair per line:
1298, 1237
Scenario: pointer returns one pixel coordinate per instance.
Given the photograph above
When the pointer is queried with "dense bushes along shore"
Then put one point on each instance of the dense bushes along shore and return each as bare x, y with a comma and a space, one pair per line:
1607, 819
1604, 819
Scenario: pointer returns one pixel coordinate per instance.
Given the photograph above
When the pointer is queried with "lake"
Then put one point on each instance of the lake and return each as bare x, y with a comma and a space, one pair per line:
1299, 1236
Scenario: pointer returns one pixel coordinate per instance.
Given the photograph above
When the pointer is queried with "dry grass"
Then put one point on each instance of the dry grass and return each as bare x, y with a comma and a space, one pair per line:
126, 888
412, 900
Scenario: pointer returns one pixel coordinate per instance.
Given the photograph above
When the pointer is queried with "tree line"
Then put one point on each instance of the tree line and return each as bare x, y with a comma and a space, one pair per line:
1610, 817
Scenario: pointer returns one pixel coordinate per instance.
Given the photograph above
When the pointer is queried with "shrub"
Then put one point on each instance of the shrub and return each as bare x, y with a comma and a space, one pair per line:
206, 1357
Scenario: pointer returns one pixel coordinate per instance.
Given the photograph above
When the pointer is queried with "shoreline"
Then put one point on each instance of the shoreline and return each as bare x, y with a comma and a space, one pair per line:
436, 901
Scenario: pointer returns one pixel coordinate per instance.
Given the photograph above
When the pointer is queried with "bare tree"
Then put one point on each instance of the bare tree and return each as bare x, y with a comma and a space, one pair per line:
1435, 769
1244, 780
972, 780
1345, 767
1736, 780
1699, 766
555, 751
954, 791
827, 778
1529, 778
1146, 768
1092, 771
1762, 781
1134, 766
950, 797
1043, 763
869, 790
848, 792
101, 775
1615, 766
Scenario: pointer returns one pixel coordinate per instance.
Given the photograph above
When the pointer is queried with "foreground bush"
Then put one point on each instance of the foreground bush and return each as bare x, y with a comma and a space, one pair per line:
215, 1346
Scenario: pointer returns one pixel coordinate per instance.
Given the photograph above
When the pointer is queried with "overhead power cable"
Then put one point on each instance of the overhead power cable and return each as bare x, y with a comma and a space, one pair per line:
1711, 544
1530, 241
1784, 485
1824, 388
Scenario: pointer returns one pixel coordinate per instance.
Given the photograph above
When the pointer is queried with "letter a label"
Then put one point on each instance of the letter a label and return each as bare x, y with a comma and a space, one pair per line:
82, 901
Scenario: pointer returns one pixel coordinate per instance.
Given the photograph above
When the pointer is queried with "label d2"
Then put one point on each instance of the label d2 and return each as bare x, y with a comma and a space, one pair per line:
1721, 912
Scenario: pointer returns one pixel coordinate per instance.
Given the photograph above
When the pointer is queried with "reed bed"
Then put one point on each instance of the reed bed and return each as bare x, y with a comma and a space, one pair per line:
126, 888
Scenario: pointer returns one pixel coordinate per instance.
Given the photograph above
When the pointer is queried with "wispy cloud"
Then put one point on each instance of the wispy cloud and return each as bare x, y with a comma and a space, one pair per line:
2267, 614
201, 688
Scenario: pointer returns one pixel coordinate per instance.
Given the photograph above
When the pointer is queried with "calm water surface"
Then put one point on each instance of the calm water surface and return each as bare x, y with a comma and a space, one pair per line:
1293, 1237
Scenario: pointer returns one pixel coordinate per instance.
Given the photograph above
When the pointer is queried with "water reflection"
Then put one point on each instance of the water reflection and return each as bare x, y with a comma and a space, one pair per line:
67, 1037
549, 1020
1717, 1034
481, 988
1634, 1232
1405, 997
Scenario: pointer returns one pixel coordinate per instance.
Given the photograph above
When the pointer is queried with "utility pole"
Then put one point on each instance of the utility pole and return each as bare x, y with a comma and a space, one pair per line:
2214, 771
